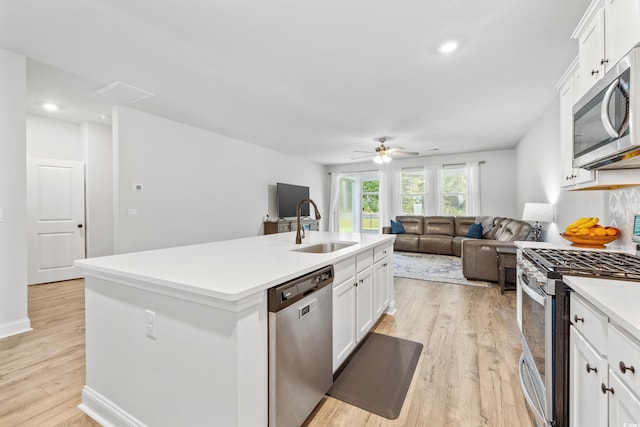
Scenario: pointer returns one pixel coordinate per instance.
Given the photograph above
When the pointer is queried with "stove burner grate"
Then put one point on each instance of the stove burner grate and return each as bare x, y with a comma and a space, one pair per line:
609, 265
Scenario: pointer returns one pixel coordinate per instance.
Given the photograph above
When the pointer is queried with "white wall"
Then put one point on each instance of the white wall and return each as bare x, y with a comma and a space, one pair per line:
198, 186
98, 158
497, 176
54, 139
539, 175
13, 199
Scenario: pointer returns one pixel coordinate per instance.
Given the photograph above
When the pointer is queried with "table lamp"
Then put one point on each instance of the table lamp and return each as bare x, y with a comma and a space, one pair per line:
538, 212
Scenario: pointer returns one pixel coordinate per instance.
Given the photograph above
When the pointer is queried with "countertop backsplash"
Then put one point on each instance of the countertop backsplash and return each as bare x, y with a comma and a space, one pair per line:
623, 205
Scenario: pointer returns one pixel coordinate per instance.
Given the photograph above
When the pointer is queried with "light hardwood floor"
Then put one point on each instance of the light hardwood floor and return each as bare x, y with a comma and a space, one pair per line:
466, 376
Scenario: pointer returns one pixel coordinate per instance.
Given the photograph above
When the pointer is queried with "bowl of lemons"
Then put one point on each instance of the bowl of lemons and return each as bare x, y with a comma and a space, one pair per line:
588, 233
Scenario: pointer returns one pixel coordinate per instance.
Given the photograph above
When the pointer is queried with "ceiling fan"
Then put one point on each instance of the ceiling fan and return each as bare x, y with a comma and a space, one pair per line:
384, 153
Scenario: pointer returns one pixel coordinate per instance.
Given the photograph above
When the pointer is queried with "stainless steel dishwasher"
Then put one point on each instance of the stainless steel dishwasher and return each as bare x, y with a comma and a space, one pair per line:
300, 346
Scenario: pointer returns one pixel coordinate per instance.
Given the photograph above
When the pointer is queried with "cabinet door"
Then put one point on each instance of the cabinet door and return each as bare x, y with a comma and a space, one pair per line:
587, 371
624, 406
364, 302
591, 51
344, 321
381, 286
622, 28
566, 133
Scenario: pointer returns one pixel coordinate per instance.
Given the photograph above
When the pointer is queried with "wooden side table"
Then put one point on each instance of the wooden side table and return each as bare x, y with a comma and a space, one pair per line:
506, 266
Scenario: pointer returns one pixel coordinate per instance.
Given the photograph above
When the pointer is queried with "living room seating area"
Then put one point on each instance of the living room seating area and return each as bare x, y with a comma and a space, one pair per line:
449, 235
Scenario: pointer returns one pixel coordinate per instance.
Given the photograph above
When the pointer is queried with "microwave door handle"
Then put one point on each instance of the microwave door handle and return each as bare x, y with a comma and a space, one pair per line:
604, 110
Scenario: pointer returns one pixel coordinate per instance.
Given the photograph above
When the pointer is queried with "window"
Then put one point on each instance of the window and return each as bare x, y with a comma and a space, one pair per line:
413, 191
370, 204
454, 190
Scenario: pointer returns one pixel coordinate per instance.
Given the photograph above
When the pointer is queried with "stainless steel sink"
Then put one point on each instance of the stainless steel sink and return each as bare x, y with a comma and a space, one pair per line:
323, 248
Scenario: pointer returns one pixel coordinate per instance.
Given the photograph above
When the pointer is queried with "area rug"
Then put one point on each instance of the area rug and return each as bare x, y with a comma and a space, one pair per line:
378, 376
435, 268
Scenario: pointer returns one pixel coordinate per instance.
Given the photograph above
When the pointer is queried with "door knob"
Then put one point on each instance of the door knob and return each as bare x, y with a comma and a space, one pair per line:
79, 225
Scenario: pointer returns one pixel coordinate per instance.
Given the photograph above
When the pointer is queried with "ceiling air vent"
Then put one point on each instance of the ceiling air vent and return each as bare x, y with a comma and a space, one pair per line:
124, 93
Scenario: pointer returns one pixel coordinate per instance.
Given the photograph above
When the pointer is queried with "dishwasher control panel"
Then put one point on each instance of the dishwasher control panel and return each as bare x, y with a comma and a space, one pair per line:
284, 295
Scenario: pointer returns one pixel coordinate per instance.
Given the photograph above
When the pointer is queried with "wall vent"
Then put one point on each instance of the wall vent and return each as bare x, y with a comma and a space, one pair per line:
124, 93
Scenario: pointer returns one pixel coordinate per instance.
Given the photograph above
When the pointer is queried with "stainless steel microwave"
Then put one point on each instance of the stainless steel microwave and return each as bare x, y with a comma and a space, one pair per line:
606, 119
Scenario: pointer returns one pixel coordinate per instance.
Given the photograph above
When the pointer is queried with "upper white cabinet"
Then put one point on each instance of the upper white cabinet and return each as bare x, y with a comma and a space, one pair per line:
568, 89
591, 48
607, 31
622, 28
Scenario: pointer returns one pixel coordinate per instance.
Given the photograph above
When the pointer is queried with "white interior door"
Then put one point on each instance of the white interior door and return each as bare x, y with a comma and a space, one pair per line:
55, 194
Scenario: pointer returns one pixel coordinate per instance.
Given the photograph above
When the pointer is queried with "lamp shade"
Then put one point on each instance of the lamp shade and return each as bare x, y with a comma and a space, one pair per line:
541, 212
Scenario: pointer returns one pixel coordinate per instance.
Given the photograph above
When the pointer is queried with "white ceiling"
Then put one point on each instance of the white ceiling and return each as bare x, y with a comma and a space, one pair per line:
316, 79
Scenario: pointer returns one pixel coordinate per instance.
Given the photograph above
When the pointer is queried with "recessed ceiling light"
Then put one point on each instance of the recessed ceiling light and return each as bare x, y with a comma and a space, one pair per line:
448, 47
50, 107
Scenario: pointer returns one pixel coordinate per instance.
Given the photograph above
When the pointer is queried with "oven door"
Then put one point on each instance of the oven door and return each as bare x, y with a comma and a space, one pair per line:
536, 367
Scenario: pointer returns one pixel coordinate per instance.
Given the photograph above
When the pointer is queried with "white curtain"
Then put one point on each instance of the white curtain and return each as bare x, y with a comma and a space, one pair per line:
473, 188
390, 196
433, 184
334, 223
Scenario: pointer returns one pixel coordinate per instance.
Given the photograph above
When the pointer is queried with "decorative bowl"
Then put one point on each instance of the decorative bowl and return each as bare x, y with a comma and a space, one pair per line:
589, 241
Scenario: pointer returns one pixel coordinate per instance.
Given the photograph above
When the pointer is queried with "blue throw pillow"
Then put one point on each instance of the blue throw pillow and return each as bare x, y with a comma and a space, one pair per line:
396, 227
475, 231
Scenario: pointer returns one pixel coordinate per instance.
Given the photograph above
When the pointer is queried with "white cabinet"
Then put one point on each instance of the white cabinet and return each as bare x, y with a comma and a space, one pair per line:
361, 293
603, 370
364, 302
622, 28
588, 372
624, 406
382, 280
607, 31
591, 48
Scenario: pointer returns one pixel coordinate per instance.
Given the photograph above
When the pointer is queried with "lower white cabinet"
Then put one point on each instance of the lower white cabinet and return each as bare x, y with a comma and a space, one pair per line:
381, 289
604, 370
364, 303
588, 371
624, 406
344, 321
362, 291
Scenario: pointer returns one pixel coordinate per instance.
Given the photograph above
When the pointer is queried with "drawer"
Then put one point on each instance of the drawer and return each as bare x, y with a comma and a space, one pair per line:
590, 322
381, 252
624, 357
343, 270
364, 260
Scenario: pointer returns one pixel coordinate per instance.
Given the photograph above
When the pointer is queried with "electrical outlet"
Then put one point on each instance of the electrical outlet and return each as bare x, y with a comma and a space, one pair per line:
150, 323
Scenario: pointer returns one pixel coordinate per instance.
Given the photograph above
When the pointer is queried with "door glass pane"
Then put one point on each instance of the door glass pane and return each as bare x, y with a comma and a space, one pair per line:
370, 204
346, 209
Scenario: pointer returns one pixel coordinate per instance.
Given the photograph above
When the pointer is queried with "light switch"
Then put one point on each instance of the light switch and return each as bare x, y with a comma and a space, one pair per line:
132, 212
1, 214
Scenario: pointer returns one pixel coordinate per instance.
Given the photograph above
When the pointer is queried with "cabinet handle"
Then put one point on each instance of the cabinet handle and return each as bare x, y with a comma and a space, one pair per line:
594, 72
577, 319
604, 389
589, 369
624, 368
604, 61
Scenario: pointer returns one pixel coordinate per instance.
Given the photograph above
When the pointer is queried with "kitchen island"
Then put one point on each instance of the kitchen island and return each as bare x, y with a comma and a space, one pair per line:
178, 336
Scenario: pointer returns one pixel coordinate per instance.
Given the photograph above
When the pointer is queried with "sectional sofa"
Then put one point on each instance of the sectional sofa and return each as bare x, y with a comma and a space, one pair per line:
447, 235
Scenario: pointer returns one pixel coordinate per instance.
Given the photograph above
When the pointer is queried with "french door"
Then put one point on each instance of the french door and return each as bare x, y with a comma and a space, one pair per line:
359, 203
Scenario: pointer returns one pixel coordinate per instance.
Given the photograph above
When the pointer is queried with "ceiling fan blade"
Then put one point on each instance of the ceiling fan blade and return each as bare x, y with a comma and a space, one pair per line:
361, 151
404, 153
394, 149
363, 157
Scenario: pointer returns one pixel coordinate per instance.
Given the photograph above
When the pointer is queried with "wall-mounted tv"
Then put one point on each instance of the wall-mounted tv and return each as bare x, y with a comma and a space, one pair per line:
288, 198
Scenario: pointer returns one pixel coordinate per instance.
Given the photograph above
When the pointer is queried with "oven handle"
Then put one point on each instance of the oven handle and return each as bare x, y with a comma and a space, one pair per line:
535, 408
533, 294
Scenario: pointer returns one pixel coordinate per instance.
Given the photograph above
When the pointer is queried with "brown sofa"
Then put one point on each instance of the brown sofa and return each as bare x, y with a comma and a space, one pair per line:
446, 235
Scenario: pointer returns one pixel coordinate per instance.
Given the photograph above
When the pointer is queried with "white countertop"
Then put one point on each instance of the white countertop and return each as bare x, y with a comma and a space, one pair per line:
618, 299
230, 270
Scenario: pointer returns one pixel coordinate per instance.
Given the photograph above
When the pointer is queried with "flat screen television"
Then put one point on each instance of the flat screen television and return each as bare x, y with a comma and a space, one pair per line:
288, 198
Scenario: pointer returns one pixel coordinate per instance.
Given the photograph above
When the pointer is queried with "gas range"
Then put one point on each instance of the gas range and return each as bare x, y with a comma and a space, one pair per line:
554, 263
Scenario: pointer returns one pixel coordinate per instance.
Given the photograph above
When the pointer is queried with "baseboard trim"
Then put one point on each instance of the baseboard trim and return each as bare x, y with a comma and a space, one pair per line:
105, 412
15, 327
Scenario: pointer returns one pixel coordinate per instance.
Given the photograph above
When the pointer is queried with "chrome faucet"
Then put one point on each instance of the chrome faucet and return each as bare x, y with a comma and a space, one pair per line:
298, 236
